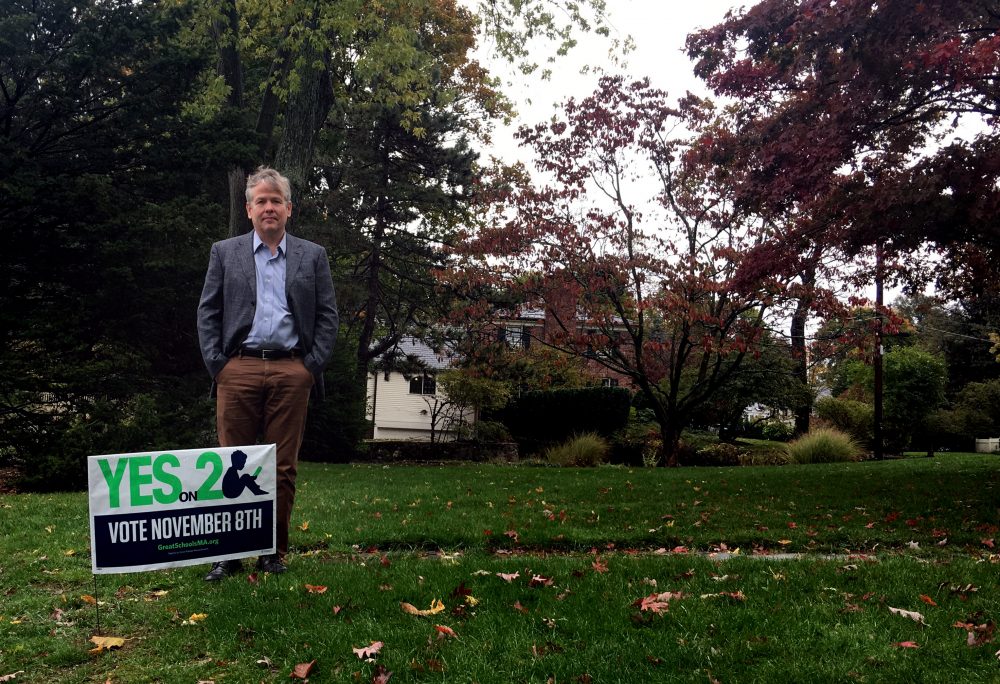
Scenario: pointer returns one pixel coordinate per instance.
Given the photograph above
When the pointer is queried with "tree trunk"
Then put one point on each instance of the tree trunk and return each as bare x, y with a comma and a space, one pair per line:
800, 357
226, 30
671, 446
237, 183
305, 114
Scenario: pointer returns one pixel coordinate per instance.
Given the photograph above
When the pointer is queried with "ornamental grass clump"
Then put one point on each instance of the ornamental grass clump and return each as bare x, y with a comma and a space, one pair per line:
824, 445
588, 449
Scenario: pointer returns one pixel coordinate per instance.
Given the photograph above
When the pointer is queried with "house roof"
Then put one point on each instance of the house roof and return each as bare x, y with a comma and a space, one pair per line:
423, 353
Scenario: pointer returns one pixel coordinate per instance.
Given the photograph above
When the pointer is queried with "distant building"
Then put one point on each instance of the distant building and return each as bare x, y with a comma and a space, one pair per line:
403, 395
401, 402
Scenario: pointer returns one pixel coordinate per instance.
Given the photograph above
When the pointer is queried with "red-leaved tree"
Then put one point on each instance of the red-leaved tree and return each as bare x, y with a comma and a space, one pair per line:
877, 122
630, 238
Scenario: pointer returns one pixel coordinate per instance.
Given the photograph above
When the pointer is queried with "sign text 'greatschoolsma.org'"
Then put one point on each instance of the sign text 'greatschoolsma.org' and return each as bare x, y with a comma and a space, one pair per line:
170, 509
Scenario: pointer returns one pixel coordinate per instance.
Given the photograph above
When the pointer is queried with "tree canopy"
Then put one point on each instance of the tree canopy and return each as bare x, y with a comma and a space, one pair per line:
647, 293
868, 123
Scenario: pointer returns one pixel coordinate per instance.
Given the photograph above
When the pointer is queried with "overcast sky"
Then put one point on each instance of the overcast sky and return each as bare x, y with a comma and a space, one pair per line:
658, 29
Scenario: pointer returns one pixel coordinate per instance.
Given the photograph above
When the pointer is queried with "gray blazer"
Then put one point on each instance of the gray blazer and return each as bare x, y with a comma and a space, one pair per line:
228, 300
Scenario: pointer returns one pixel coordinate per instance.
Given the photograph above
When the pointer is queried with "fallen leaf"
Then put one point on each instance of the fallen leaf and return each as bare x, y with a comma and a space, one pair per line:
913, 615
69, 552
155, 595
315, 588
381, 675
370, 651
540, 581
507, 577
599, 566
195, 618
436, 607
519, 608
906, 644
928, 600
734, 595
302, 670
11, 677
105, 643
305, 526
471, 601
977, 635
658, 603
87, 598
444, 631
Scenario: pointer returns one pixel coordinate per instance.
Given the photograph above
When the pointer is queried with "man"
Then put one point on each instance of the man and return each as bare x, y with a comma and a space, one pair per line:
267, 323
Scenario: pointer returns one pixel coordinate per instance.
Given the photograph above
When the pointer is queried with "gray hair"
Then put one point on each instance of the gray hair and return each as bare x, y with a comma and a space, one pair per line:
269, 176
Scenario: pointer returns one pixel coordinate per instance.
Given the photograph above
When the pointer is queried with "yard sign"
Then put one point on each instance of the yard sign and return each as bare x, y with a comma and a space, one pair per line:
164, 510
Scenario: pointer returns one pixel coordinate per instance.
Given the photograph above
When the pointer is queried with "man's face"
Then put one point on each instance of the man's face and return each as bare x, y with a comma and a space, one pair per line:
268, 211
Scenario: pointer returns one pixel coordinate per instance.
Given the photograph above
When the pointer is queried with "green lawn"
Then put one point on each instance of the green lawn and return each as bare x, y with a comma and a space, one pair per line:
540, 571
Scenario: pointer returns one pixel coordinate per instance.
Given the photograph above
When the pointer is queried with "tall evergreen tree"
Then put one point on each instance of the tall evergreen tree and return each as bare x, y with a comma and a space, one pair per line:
100, 179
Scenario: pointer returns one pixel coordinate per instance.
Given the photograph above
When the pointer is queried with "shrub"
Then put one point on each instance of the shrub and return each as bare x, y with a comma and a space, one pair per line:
824, 445
490, 431
765, 458
856, 418
638, 443
336, 427
777, 431
721, 454
584, 450
540, 419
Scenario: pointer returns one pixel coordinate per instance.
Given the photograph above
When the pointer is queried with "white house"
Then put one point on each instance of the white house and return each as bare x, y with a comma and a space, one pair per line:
407, 405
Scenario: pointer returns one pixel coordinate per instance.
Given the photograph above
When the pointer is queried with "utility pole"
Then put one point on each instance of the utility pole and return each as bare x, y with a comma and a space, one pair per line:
877, 360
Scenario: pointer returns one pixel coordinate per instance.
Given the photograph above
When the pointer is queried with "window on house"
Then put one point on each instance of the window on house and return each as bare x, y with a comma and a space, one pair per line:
609, 382
516, 336
423, 384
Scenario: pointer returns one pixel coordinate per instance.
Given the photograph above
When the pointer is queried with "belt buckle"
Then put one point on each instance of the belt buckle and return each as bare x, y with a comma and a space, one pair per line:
269, 354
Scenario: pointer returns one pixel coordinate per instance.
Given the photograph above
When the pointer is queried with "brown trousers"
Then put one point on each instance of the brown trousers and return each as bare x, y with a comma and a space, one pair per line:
267, 400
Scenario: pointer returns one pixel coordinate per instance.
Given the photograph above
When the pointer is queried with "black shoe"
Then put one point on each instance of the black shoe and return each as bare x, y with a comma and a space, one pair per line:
271, 564
223, 569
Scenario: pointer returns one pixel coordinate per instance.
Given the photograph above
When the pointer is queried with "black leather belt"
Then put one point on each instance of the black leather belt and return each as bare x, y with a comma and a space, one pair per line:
270, 354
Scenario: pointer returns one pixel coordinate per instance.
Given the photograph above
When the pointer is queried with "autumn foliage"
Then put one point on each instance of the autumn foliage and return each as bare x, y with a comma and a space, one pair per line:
630, 241
867, 123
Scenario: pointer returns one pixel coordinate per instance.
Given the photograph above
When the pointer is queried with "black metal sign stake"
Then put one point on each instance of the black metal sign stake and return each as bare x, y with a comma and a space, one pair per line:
97, 607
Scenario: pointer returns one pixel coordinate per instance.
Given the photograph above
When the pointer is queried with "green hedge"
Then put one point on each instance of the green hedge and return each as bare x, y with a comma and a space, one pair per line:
540, 419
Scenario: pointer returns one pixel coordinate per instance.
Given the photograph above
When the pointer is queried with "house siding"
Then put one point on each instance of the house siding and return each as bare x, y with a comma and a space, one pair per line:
396, 413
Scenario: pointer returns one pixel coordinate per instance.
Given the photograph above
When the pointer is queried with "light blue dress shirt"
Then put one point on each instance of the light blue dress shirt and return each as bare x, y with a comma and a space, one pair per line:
273, 326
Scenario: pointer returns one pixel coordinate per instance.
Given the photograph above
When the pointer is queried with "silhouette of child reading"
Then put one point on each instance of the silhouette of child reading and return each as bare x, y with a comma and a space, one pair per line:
233, 483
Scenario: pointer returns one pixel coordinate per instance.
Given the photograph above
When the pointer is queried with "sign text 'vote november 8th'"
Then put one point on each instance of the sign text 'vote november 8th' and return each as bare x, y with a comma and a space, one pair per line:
161, 510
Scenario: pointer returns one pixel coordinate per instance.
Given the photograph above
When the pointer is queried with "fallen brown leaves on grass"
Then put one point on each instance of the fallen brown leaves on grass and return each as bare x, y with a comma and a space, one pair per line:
370, 651
303, 670
437, 606
105, 643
